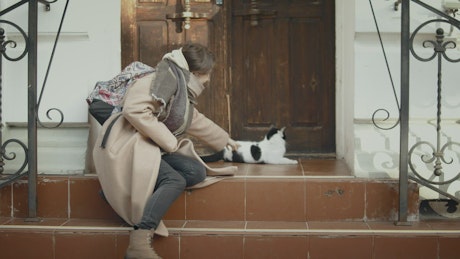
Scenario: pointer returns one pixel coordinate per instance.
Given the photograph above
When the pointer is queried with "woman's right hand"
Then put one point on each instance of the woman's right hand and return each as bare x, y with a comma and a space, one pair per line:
232, 144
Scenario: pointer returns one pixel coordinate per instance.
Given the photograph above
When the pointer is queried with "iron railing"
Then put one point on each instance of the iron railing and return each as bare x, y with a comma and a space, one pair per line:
437, 158
30, 40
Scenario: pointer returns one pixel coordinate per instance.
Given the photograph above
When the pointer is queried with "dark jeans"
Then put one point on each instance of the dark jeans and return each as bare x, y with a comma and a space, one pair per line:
175, 174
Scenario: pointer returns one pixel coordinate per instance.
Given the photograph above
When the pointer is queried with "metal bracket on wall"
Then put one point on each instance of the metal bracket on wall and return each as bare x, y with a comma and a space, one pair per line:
47, 4
396, 6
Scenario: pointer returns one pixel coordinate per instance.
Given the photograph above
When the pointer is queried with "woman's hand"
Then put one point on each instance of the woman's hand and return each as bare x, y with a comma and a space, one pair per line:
233, 145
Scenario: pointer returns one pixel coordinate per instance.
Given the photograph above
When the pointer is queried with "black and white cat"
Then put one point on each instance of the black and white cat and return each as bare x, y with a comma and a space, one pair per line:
270, 150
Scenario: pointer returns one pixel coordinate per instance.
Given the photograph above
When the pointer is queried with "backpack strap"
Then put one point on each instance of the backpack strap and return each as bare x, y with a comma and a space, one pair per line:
107, 132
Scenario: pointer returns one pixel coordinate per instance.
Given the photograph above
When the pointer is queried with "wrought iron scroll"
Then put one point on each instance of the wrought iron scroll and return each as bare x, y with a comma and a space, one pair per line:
48, 113
382, 110
5, 45
30, 49
437, 159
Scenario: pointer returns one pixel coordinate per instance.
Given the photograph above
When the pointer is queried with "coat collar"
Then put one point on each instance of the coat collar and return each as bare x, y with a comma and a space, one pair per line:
194, 86
177, 57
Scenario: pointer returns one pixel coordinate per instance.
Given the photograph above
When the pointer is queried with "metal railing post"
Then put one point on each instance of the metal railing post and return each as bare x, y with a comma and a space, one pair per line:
404, 112
32, 108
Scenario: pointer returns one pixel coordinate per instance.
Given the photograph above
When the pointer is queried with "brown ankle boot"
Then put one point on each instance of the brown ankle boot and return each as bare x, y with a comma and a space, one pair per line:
140, 242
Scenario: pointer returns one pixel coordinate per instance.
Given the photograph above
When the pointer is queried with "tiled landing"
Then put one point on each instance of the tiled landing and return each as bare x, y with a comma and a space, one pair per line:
314, 190
312, 210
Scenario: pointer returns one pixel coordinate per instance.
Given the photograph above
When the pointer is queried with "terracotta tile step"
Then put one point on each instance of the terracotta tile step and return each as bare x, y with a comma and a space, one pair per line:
234, 239
240, 198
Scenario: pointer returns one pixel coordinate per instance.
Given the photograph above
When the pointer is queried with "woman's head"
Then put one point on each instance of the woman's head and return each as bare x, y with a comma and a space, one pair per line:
199, 59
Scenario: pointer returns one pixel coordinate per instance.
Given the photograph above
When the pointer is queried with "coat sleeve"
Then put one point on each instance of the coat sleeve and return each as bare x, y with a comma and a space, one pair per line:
139, 110
207, 131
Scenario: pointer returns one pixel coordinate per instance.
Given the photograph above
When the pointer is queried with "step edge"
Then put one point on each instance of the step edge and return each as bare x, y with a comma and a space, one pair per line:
314, 177
64, 228
399, 232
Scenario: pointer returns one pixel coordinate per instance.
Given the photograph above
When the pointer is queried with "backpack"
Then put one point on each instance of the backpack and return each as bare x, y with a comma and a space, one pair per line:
106, 97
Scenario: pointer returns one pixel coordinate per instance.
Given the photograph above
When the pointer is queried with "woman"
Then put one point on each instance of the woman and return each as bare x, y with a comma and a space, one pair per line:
142, 167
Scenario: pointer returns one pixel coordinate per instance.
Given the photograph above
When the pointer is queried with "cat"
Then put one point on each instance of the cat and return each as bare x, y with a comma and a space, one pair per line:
270, 150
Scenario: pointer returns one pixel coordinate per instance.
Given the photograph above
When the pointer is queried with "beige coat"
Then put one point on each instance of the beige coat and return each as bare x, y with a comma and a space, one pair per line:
128, 166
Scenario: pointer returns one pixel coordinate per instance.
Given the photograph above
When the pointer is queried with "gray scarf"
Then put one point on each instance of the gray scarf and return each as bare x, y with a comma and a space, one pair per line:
170, 89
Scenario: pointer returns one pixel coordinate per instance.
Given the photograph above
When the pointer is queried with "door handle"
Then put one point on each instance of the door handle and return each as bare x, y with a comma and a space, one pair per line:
255, 13
187, 15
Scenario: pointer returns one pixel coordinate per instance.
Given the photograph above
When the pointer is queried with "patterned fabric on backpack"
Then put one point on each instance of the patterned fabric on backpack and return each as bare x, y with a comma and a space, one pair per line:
108, 94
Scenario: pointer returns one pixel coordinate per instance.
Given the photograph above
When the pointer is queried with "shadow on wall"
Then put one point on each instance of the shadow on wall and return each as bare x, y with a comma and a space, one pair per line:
377, 155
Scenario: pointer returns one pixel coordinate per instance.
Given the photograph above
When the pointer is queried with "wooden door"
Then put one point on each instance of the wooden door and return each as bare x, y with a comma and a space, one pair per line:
276, 68
283, 71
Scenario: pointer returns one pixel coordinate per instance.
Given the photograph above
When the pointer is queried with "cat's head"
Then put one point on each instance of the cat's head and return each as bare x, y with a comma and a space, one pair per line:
275, 134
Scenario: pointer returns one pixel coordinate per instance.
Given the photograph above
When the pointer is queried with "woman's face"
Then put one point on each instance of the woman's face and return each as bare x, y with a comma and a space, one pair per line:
203, 78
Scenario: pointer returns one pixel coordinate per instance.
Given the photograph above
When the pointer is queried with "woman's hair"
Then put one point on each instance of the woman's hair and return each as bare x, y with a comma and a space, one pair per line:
199, 58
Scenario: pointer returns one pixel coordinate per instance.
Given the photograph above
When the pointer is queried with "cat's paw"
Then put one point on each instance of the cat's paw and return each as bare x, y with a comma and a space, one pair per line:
287, 161
293, 162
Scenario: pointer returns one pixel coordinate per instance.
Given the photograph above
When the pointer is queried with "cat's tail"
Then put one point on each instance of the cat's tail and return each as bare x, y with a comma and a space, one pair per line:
213, 157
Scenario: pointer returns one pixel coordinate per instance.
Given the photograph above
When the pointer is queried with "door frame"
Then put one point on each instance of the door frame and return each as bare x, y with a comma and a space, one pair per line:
345, 90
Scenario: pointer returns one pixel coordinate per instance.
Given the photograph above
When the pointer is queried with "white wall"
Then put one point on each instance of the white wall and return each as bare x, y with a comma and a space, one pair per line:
88, 51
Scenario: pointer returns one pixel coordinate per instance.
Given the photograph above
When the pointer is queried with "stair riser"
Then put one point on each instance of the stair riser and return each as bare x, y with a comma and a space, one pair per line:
69, 245
237, 199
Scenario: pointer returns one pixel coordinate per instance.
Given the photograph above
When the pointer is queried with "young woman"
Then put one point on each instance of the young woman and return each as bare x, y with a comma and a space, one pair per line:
142, 166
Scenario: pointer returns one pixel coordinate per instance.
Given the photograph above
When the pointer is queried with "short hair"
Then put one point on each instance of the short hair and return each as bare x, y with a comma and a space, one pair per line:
199, 58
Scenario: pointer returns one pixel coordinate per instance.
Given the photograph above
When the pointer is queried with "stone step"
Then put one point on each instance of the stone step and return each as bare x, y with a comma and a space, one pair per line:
257, 193
59, 238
